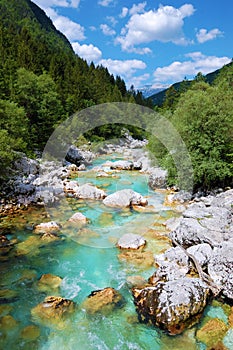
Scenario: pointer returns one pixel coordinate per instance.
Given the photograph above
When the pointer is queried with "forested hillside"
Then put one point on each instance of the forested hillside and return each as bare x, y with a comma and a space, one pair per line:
42, 80
167, 97
203, 116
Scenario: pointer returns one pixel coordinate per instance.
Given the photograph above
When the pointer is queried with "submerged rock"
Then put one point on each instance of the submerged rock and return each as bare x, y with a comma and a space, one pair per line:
131, 241
212, 332
48, 283
137, 258
173, 305
53, 309
125, 198
78, 218
104, 300
31, 332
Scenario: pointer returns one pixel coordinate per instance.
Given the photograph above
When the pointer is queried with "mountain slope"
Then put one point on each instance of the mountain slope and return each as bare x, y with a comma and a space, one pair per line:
159, 98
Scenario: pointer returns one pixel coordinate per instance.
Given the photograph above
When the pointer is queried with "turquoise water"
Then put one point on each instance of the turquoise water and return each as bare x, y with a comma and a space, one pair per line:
85, 263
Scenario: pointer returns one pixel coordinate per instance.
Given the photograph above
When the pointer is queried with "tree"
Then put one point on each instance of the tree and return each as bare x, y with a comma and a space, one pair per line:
13, 132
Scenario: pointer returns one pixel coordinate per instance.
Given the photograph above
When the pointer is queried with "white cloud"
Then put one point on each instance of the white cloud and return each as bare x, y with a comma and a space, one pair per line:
138, 81
198, 62
203, 35
87, 52
57, 3
139, 8
112, 20
107, 30
72, 30
124, 12
123, 68
164, 24
105, 3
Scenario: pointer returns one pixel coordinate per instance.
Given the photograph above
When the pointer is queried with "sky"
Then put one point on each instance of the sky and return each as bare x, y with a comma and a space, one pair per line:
147, 42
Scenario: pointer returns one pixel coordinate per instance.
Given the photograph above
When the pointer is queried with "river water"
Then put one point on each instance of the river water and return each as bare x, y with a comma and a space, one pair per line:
86, 260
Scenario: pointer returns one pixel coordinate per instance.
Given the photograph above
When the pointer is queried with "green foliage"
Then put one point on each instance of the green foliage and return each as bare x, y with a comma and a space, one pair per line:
204, 118
13, 132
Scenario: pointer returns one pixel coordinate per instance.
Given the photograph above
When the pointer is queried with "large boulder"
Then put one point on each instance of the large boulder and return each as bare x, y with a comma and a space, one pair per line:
88, 191
174, 305
47, 227
220, 268
157, 178
77, 156
202, 224
125, 198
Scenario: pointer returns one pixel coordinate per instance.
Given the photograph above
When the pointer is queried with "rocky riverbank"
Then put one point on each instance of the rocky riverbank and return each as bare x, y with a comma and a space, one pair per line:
197, 269
39, 182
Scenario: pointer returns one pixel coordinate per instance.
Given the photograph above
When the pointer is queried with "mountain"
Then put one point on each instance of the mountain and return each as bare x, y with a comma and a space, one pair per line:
43, 81
159, 98
148, 90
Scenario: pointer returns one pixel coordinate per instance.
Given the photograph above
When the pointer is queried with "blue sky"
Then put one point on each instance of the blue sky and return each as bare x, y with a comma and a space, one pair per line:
147, 42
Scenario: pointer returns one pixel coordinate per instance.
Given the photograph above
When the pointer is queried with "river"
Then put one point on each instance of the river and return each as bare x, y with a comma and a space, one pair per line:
86, 259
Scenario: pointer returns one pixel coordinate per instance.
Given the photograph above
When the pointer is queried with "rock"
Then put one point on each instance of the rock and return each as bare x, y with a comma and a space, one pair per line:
121, 165
53, 309
172, 223
165, 306
125, 198
47, 227
157, 178
220, 268
105, 219
135, 281
125, 165
131, 241
8, 296
181, 197
8, 323
27, 166
31, 332
78, 218
48, 283
212, 332
88, 191
104, 301
137, 258
202, 253
228, 339
71, 187
77, 156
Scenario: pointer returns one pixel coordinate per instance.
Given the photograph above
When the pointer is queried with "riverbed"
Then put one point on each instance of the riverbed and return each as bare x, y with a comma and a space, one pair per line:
86, 259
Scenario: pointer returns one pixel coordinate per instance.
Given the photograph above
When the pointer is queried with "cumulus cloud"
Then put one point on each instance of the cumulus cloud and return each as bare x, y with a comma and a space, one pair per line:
124, 12
87, 52
72, 30
197, 62
107, 30
123, 68
112, 20
139, 8
57, 3
204, 35
164, 24
105, 3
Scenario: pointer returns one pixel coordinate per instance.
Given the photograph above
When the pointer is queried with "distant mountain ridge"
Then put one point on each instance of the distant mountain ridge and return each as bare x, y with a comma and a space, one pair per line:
148, 90
159, 97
